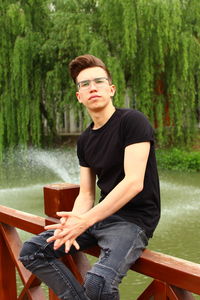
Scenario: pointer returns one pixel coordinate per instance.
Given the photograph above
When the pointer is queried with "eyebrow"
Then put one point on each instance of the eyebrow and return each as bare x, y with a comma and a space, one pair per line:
102, 77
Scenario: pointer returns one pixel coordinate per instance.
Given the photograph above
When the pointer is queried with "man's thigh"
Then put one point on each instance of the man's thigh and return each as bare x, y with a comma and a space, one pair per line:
121, 244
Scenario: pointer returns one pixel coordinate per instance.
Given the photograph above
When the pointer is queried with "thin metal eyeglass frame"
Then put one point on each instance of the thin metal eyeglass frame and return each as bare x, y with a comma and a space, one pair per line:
89, 81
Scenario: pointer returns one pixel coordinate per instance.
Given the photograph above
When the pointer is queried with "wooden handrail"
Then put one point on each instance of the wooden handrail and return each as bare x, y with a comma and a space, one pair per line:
174, 278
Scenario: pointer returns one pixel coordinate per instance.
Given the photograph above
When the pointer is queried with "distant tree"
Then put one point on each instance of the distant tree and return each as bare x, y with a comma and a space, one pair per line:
23, 30
151, 46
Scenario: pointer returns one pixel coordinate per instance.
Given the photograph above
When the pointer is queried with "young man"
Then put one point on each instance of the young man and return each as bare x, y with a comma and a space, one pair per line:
118, 148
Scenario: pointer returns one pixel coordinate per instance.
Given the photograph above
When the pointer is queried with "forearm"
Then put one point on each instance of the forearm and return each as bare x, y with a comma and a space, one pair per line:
83, 203
116, 199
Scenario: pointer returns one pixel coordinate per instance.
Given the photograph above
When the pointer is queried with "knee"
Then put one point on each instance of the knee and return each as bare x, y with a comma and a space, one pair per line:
27, 249
98, 288
32, 250
94, 285
26, 253
37, 246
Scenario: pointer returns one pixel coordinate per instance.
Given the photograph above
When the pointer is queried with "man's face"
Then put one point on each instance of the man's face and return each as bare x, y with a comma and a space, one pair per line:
94, 90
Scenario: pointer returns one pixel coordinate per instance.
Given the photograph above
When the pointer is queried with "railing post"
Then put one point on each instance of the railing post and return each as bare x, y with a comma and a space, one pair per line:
8, 289
61, 197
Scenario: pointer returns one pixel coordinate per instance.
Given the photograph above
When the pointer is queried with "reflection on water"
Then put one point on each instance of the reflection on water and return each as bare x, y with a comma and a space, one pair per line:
23, 176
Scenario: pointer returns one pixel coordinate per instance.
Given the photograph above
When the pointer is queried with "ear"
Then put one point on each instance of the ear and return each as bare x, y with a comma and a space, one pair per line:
112, 90
78, 97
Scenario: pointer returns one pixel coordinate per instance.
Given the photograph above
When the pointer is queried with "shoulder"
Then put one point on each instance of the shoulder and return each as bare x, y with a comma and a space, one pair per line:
134, 127
84, 135
132, 116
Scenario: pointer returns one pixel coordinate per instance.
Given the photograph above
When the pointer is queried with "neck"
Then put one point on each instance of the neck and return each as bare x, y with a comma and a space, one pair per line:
101, 117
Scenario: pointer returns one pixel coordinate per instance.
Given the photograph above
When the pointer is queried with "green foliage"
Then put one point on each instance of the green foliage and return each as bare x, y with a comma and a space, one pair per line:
152, 48
178, 159
23, 24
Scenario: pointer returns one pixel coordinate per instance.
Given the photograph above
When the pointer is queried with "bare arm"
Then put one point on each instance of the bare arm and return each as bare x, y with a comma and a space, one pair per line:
135, 160
86, 198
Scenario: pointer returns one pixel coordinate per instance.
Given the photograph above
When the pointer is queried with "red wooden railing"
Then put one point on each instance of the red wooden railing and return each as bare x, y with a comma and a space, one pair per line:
173, 278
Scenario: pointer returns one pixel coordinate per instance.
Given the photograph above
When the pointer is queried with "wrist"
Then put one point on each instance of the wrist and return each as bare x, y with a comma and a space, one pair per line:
89, 218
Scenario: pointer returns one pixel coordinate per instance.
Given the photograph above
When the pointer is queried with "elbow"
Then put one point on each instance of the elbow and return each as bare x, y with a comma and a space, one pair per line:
141, 188
135, 186
138, 187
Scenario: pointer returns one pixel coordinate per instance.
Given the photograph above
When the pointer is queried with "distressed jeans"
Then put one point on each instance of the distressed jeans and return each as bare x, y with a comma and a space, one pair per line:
121, 243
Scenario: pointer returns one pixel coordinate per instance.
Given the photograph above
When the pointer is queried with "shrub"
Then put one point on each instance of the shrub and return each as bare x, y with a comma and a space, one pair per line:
178, 159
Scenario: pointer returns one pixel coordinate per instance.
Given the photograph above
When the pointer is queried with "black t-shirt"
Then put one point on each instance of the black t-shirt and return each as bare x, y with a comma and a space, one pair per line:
103, 151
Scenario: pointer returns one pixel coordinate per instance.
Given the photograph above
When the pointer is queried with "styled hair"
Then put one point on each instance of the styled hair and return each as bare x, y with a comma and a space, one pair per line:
86, 61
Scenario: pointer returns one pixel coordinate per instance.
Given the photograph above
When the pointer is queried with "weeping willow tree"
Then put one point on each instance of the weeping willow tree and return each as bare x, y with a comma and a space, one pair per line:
22, 33
167, 66
157, 45
153, 51
152, 48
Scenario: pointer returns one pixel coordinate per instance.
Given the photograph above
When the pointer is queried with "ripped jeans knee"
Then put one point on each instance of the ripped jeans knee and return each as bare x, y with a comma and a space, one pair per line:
100, 287
39, 257
35, 248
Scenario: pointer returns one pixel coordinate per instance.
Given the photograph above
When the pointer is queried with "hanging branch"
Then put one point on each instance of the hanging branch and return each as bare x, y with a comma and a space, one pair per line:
151, 47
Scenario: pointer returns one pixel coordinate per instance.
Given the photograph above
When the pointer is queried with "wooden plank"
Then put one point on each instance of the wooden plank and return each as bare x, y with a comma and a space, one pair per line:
8, 289
173, 270
31, 283
25, 221
182, 294
22, 220
148, 292
34, 293
160, 290
32, 289
14, 245
82, 263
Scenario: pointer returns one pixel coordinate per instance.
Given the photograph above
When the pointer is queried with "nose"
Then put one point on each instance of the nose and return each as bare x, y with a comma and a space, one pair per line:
92, 86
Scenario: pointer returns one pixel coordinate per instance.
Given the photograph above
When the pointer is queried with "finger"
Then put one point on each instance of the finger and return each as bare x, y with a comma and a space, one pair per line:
76, 245
67, 214
61, 234
67, 246
54, 226
55, 236
62, 242
50, 238
63, 220
58, 243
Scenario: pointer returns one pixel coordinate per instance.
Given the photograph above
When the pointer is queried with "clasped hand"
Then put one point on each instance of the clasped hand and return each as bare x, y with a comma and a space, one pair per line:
66, 232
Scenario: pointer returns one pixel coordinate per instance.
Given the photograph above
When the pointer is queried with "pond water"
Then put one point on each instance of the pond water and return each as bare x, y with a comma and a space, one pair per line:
24, 174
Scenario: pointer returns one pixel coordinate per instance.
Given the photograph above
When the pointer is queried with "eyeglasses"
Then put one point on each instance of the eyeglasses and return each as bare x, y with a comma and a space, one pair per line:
98, 82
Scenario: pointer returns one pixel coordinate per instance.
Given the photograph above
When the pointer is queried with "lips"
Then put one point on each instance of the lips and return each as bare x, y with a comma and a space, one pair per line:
93, 96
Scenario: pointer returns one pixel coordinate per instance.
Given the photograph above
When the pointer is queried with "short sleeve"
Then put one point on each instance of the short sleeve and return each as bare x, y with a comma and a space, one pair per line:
135, 128
80, 152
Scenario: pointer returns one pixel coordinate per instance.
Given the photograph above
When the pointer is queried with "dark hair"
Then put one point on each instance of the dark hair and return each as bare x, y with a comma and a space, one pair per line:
86, 61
